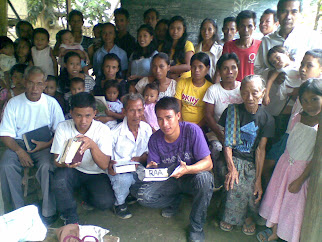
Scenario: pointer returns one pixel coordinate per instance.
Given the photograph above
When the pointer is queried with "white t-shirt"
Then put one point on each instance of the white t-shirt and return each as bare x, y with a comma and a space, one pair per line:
221, 98
125, 146
22, 115
98, 132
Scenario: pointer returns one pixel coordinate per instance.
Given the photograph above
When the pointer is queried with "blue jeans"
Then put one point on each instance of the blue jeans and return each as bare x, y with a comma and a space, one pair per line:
121, 184
168, 193
66, 180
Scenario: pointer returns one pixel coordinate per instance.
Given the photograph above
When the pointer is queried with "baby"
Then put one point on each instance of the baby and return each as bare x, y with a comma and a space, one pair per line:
151, 94
7, 60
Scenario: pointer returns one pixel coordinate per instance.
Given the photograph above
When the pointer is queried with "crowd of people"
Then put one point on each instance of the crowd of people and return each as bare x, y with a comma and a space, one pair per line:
238, 115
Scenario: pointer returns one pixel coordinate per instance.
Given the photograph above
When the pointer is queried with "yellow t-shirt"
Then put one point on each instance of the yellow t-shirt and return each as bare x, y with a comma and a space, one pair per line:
191, 99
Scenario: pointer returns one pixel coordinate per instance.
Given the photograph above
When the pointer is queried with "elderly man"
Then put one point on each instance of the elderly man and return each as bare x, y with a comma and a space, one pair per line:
26, 112
130, 143
179, 143
90, 172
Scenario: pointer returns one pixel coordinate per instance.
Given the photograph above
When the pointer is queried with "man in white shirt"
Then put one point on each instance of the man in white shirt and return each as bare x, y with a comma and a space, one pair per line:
26, 112
130, 143
90, 172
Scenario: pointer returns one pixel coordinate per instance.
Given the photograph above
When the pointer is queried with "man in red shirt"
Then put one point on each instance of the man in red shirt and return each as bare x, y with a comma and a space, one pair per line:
246, 46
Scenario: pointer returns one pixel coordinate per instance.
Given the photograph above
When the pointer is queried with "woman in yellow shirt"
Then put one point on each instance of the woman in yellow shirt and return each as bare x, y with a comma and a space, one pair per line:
190, 91
178, 48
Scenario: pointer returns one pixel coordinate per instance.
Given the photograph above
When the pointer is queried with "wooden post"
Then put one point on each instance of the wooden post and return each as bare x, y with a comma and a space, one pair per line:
3, 17
311, 227
68, 9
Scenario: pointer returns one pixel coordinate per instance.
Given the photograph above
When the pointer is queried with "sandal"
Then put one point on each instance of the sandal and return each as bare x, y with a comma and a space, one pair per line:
225, 226
246, 228
265, 235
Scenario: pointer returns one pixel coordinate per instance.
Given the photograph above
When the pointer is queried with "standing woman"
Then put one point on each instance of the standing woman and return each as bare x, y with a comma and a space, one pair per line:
160, 66
208, 43
178, 48
145, 49
190, 91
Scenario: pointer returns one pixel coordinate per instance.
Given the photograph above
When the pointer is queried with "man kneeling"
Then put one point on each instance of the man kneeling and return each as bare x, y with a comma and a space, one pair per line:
185, 144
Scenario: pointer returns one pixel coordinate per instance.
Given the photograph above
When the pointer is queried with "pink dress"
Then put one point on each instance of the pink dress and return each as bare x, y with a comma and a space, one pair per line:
279, 206
150, 116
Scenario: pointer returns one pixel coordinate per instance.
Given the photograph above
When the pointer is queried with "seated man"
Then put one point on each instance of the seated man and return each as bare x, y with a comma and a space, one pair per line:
90, 172
183, 143
130, 143
26, 112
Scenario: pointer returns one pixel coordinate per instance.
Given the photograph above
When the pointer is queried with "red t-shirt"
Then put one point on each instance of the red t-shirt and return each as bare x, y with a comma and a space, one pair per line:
246, 57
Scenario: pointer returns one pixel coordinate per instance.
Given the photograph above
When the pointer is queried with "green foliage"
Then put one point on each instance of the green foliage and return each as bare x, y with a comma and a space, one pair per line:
94, 10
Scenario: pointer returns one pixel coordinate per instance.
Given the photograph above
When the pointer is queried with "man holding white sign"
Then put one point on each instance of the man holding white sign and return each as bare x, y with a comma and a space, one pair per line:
130, 144
182, 143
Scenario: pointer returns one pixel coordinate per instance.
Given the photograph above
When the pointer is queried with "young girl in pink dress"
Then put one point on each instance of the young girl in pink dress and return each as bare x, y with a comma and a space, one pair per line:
284, 200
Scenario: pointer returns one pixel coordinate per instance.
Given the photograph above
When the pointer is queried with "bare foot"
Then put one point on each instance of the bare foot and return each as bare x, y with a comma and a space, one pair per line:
225, 226
272, 237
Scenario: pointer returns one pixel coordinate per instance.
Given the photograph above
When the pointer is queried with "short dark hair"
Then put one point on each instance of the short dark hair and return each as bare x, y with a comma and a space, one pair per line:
18, 68
62, 32
280, 4
41, 31
112, 56
271, 11
77, 80
225, 57
162, 56
245, 14
111, 83
315, 53
5, 41
151, 10
276, 49
75, 13
22, 22
167, 103
83, 100
52, 78
69, 55
228, 20
153, 86
122, 11
313, 85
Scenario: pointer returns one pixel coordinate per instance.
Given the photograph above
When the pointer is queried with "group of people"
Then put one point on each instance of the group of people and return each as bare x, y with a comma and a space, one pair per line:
236, 114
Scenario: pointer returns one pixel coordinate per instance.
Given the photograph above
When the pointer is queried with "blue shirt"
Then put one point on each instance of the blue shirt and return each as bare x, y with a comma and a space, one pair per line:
141, 67
99, 56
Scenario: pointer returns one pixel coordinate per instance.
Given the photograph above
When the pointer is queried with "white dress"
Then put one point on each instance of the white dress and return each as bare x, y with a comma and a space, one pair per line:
42, 59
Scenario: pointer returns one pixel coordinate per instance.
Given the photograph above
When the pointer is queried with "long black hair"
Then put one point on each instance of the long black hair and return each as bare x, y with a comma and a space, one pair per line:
179, 53
204, 59
139, 52
16, 44
215, 37
112, 56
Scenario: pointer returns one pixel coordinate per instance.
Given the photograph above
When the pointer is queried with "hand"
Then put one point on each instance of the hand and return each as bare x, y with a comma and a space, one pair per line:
24, 158
183, 169
132, 77
266, 100
152, 164
295, 186
40, 145
258, 191
73, 165
110, 168
231, 178
99, 118
87, 143
280, 78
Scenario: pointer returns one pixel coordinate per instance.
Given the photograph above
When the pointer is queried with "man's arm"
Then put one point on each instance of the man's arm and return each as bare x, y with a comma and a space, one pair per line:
259, 160
24, 158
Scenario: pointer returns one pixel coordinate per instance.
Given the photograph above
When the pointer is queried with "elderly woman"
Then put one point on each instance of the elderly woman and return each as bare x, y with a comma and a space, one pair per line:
247, 127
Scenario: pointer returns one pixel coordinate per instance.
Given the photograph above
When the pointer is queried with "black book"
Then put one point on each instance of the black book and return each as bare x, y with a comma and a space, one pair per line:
40, 134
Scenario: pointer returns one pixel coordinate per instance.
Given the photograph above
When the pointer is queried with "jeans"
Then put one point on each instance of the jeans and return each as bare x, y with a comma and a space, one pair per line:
121, 184
66, 180
168, 193
11, 172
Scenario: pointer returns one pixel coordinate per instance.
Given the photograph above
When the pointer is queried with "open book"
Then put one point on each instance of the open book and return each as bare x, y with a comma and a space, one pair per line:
101, 105
161, 174
124, 166
71, 152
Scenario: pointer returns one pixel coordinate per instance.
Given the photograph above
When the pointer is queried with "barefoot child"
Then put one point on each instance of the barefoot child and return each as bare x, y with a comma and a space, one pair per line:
284, 200
151, 94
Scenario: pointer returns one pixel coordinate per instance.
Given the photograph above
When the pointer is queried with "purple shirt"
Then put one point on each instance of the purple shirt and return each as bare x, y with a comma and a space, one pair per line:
190, 146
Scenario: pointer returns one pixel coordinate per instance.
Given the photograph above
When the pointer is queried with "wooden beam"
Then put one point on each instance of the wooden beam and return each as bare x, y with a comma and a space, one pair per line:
312, 226
3, 17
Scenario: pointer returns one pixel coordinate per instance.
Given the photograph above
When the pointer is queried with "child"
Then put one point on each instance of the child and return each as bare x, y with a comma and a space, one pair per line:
68, 44
280, 59
77, 85
97, 41
151, 94
114, 110
72, 64
7, 60
178, 48
51, 90
42, 54
23, 51
111, 70
131, 86
140, 60
284, 200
